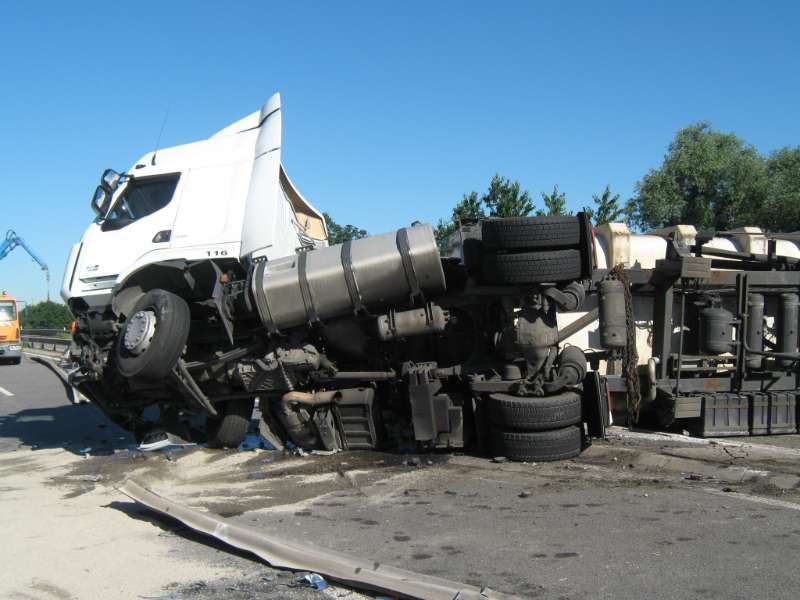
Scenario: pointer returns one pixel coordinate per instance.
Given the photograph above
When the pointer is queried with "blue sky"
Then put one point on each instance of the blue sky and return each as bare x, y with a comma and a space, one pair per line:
391, 110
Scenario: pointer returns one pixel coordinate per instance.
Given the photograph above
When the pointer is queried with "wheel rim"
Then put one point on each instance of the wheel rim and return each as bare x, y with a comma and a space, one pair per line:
139, 332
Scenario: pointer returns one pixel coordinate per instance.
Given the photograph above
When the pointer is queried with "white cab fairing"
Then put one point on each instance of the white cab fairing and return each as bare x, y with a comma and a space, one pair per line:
231, 199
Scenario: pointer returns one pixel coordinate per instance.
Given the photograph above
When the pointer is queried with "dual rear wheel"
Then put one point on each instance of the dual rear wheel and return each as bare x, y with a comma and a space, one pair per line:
532, 429
531, 250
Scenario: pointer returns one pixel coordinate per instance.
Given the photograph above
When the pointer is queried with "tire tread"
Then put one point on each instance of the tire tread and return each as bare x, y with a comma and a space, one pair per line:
532, 267
230, 428
555, 231
543, 446
537, 413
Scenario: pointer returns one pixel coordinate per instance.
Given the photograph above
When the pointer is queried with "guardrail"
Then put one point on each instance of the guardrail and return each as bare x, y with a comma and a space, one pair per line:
45, 332
47, 343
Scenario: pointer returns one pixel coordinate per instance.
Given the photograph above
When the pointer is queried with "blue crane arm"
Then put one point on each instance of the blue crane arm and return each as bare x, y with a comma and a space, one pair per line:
32, 254
12, 241
8, 244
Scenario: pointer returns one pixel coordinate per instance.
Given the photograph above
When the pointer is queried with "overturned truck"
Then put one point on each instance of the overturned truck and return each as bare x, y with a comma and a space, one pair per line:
206, 282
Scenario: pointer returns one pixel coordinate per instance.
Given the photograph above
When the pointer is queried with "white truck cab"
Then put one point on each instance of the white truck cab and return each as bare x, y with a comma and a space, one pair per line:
227, 197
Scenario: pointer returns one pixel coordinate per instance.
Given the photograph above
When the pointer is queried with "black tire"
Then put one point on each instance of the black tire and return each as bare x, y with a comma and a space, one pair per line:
518, 233
542, 446
537, 413
16, 361
169, 338
230, 428
532, 267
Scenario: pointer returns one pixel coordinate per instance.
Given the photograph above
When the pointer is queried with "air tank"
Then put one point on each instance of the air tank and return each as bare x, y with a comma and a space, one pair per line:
755, 329
613, 322
787, 327
716, 325
407, 323
346, 278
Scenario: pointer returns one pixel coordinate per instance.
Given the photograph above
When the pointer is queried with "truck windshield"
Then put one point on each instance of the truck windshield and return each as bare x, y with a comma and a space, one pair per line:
141, 197
8, 311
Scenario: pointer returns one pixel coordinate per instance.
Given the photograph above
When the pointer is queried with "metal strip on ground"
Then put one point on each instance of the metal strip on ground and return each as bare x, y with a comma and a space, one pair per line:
5, 392
282, 553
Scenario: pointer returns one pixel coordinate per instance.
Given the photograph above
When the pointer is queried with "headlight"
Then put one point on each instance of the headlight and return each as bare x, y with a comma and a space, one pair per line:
15, 348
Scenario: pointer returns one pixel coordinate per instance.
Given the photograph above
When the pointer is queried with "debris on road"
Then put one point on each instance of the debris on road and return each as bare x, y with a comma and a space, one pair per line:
312, 580
256, 441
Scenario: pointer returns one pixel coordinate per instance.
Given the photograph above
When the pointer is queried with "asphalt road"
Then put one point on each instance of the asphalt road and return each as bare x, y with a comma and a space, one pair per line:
621, 522
69, 537
36, 412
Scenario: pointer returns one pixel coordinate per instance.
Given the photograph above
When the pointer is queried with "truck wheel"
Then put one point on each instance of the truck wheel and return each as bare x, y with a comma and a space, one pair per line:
230, 428
153, 337
556, 444
548, 412
556, 231
532, 267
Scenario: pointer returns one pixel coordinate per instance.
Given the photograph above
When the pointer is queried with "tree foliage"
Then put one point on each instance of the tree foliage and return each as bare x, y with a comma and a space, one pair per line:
505, 198
468, 208
554, 203
709, 179
45, 315
606, 208
781, 211
338, 234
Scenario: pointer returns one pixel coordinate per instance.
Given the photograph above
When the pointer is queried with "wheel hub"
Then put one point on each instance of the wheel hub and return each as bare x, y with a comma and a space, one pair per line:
139, 331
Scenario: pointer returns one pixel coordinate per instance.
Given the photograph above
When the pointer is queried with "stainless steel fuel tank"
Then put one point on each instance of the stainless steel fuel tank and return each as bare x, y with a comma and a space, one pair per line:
346, 278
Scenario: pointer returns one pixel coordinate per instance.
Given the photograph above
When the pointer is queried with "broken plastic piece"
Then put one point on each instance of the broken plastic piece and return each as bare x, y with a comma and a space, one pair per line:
255, 441
155, 440
313, 580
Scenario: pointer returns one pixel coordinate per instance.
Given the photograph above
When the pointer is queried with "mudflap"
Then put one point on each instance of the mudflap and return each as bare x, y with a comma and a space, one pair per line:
596, 413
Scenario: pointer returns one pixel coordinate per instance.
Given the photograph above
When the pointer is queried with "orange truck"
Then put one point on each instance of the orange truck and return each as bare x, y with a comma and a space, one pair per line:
10, 343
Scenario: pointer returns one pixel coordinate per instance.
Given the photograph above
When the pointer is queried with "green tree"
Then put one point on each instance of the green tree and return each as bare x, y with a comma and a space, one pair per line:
710, 179
504, 198
781, 211
338, 234
606, 209
468, 208
555, 203
45, 315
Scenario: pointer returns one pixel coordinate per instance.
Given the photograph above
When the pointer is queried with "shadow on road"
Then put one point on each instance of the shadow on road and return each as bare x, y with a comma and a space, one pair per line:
80, 429
61, 375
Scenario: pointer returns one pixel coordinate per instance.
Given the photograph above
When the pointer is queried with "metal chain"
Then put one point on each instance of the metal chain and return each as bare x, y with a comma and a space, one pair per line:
630, 356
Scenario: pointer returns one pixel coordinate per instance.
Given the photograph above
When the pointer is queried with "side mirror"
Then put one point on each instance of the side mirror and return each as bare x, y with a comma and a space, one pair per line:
110, 180
100, 201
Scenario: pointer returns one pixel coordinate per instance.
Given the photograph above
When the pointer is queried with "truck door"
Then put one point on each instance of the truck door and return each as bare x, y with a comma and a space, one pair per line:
211, 207
139, 222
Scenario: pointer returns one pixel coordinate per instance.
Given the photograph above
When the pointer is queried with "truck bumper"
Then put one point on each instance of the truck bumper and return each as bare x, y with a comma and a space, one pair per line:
10, 351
